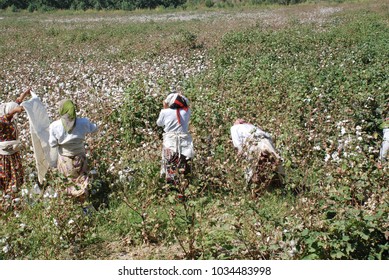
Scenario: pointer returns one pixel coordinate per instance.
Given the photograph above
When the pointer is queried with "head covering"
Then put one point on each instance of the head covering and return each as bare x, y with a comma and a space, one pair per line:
239, 121
177, 102
67, 111
6, 108
171, 98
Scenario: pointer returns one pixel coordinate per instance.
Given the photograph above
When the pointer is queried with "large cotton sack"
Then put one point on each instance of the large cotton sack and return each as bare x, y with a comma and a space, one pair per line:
45, 156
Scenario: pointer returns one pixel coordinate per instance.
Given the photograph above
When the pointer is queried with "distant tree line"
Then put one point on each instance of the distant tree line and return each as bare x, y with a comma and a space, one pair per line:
33, 5
45, 5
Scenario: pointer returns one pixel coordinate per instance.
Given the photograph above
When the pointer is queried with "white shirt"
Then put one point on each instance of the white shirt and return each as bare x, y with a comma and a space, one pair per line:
386, 134
70, 143
240, 132
168, 120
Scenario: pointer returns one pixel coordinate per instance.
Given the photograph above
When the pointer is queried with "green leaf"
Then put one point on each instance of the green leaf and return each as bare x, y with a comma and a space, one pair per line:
171, 199
311, 257
363, 235
337, 255
349, 248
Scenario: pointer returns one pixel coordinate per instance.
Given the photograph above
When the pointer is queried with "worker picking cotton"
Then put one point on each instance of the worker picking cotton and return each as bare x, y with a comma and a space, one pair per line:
177, 150
256, 148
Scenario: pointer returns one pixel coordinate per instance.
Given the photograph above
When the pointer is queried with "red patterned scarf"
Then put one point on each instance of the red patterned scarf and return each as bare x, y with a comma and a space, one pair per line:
179, 104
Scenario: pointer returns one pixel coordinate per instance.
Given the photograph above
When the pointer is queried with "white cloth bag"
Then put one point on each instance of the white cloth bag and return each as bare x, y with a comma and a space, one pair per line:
45, 156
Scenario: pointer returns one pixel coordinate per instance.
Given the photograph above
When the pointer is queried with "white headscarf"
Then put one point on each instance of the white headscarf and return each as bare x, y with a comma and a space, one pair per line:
6, 108
172, 97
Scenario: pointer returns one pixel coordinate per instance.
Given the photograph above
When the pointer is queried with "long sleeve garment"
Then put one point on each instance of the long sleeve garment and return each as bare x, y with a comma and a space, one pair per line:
176, 136
168, 120
70, 144
241, 132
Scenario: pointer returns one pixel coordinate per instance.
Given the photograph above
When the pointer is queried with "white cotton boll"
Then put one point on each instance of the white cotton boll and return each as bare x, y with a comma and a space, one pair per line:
55, 222
335, 156
111, 168
343, 131
16, 200
122, 178
14, 188
71, 222
24, 192
327, 157
292, 252
36, 189
6, 249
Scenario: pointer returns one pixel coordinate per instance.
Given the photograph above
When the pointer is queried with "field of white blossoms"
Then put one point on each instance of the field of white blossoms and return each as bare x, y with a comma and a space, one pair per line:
315, 76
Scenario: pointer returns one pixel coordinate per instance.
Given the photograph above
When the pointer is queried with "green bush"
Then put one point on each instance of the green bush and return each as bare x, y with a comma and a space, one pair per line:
209, 3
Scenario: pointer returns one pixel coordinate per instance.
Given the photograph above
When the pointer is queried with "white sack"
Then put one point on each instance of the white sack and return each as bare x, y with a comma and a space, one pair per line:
45, 156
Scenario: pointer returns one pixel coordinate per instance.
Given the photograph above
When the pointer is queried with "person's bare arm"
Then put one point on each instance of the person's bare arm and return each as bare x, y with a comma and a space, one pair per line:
23, 95
16, 110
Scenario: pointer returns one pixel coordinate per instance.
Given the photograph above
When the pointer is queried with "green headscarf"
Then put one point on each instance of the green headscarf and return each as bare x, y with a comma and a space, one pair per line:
67, 111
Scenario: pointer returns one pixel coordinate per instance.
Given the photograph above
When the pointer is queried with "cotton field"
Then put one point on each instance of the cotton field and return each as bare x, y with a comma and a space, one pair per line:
313, 75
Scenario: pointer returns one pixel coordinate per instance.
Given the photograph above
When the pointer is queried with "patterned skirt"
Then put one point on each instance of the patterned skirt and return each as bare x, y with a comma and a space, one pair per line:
261, 166
174, 165
76, 169
11, 178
